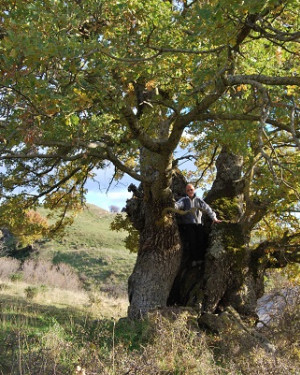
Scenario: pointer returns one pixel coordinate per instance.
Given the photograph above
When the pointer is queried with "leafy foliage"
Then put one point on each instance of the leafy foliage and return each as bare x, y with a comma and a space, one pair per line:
84, 84
122, 222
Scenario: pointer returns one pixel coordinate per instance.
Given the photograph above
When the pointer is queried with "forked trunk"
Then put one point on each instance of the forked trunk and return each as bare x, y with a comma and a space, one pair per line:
165, 273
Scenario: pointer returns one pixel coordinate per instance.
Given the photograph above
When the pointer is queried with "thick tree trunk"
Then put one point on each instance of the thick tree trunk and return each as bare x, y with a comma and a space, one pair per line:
157, 263
229, 279
160, 251
165, 273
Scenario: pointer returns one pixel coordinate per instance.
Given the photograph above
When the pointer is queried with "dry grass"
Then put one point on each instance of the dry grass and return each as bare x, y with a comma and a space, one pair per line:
8, 267
40, 272
170, 342
72, 341
44, 272
49, 324
175, 346
46, 295
282, 331
95, 304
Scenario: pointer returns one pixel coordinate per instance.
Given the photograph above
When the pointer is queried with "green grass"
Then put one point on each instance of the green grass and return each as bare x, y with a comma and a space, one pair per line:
95, 253
55, 330
52, 330
45, 339
101, 267
39, 338
91, 248
91, 229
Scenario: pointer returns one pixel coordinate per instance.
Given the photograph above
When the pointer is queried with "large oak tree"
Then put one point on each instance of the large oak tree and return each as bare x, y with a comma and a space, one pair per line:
85, 83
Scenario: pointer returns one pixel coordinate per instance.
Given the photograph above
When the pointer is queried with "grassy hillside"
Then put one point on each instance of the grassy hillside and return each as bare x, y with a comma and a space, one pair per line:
91, 229
86, 337
95, 252
63, 312
86, 268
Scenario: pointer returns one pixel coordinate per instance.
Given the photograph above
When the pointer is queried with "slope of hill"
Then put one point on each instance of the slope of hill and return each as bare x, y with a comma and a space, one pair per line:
91, 228
93, 250
59, 315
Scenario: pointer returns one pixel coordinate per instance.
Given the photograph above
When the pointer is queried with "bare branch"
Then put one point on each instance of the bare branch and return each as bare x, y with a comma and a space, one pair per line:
59, 183
244, 117
130, 60
196, 114
111, 180
277, 34
187, 51
212, 160
30, 156
27, 99
109, 155
187, 157
244, 32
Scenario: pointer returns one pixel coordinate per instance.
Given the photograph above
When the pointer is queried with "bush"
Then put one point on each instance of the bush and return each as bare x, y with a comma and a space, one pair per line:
31, 292
8, 267
18, 276
43, 272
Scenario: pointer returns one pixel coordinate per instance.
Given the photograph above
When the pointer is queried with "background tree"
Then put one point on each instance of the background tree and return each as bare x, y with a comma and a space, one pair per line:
84, 83
114, 209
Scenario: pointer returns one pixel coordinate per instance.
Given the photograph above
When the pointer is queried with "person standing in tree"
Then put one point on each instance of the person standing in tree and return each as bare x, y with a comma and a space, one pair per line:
191, 226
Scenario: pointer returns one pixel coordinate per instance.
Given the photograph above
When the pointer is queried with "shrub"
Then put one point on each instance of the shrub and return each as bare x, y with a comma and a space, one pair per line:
18, 276
31, 292
44, 272
8, 267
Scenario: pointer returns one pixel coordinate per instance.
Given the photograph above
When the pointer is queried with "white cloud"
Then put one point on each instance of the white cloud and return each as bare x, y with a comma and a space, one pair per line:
114, 198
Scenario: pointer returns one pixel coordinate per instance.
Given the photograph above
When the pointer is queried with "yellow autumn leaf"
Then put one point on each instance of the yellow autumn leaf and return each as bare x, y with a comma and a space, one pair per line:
150, 85
241, 88
291, 89
130, 87
82, 96
278, 54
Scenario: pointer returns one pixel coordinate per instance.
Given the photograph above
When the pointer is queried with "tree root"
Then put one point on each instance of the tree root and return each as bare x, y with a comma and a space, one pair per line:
230, 320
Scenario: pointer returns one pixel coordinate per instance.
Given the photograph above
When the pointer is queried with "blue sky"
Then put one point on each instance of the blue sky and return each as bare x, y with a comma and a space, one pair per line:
103, 194
118, 191
116, 195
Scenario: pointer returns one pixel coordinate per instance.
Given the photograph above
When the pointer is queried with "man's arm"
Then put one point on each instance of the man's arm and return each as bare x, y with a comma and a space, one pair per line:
207, 209
179, 205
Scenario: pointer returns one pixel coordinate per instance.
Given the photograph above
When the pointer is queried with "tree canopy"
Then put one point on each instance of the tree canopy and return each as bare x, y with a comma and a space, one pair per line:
85, 83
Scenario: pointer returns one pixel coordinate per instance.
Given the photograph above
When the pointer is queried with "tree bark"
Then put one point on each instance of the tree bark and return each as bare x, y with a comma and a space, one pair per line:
160, 251
165, 274
157, 263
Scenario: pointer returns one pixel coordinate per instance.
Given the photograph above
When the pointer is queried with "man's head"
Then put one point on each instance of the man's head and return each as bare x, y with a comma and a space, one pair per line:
190, 190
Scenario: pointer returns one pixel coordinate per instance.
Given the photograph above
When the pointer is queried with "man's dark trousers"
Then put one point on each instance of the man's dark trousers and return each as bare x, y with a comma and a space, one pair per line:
194, 240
